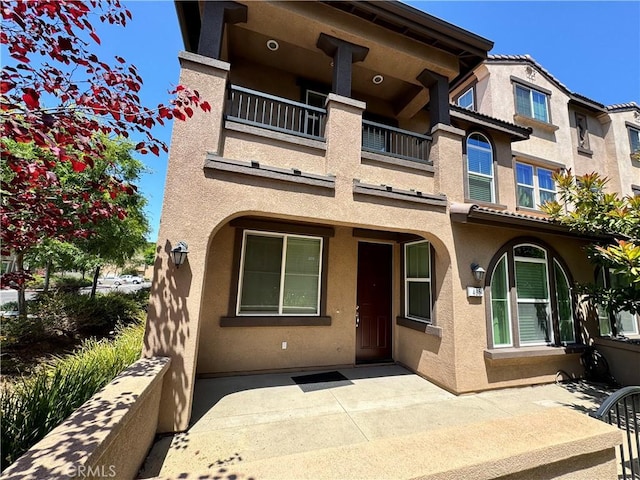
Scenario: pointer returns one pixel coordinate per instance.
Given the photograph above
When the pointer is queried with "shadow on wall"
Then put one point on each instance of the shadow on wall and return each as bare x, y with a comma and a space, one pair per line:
67, 450
167, 331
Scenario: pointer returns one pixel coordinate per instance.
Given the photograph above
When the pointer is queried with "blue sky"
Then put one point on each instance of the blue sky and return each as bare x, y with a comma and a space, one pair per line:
591, 47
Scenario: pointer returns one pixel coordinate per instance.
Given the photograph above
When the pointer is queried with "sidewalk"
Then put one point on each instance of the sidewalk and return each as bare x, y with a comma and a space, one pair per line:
248, 420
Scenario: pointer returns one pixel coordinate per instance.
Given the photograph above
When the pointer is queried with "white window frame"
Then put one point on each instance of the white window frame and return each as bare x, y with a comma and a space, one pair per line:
478, 174
573, 321
285, 237
546, 103
504, 257
534, 301
417, 280
605, 283
473, 99
535, 187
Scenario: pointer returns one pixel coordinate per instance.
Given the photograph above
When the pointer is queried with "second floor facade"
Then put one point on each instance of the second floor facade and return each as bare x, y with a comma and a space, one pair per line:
437, 117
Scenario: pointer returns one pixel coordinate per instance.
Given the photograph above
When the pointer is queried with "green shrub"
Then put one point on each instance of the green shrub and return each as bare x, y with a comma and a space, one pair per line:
70, 284
36, 282
33, 406
73, 314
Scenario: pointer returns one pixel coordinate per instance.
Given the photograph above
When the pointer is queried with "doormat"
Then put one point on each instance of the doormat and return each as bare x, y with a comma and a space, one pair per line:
321, 381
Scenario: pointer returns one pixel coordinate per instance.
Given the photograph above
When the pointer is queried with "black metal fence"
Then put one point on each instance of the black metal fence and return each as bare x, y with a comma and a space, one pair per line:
622, 409
275, 113
386, 140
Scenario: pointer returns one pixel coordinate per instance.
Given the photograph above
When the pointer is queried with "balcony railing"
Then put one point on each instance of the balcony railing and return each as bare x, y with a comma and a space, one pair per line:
394, 142
275, 113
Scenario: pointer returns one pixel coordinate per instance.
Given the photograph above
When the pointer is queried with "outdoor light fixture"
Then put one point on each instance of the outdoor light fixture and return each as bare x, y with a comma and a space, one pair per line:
377, 79
179, 253
273, 45
478, 272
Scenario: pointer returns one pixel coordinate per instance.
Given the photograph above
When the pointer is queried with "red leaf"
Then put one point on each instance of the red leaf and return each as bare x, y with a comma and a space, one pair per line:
78, 166
155, 150
5, 86
179, 115
95, 37
31, 98
205, 106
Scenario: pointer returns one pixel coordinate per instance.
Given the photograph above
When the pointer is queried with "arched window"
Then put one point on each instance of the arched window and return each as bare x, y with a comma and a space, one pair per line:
480, 178
531, 302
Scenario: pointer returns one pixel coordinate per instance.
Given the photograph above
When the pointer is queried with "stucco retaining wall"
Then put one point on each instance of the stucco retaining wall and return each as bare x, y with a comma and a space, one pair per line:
107, 437
623, 359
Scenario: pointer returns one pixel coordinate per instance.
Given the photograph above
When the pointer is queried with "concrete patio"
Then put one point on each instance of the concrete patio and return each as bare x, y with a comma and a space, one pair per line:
267, 420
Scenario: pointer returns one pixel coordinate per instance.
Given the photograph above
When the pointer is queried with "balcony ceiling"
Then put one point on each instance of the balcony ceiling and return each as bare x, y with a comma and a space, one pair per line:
310, 64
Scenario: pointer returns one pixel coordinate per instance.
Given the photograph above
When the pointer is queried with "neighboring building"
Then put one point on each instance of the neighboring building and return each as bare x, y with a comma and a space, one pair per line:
337, 209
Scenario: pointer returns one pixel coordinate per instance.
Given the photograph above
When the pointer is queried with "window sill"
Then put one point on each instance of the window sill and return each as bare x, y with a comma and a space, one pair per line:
423, 327
532, 122
532, 211
274, 321
498, 354
585, 151
480, 203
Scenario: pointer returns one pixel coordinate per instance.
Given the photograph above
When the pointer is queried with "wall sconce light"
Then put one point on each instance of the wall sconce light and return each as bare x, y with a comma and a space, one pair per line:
179, 253
478, 272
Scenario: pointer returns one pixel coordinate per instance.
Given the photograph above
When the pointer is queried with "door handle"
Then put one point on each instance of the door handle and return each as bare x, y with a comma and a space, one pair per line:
357, 316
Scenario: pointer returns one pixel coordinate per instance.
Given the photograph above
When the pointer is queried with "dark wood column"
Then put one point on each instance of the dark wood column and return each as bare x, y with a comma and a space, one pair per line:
438, 86
214, 17
344, 54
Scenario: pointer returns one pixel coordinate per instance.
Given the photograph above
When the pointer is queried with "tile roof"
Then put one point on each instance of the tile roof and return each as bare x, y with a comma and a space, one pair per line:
529, 59
472, 213
621, 107
519, 129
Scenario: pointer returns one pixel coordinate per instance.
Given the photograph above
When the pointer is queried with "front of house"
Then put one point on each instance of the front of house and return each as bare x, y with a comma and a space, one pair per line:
339, 211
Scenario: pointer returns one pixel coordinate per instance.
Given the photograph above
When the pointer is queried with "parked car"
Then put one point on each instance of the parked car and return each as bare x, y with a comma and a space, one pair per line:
110, 280
131, 279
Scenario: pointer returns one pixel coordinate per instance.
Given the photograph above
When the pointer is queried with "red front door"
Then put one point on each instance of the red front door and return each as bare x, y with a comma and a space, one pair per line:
373, 330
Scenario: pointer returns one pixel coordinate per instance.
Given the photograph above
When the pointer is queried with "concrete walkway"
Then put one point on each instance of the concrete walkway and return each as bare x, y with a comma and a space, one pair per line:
243, 419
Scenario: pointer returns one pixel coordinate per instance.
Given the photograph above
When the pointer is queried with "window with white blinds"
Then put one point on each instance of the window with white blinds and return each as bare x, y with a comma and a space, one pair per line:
523, 310
480, 178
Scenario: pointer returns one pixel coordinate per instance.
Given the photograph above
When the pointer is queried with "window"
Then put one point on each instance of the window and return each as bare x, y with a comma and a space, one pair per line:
312, 119
634, 139
532, 103
582, 130
535, 185
466, 100
480, 168
417, 281
625, 323
523, 310
280, 274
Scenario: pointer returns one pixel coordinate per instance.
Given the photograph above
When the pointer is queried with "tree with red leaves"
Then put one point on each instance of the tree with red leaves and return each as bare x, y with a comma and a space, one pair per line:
61, 98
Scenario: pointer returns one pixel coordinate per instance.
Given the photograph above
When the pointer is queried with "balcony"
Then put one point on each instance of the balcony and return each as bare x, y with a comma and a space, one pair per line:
275, 113
394, 142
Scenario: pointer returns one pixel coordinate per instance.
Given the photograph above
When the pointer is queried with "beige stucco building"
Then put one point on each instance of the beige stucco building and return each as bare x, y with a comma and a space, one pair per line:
342, 197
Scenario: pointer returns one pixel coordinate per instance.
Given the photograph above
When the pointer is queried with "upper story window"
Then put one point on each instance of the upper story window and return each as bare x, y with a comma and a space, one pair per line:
280, 274
634, 139
480, 177
531, 315
532, 103
417, 281
467, 100
535, 185
619, 323
582, 130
